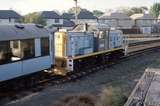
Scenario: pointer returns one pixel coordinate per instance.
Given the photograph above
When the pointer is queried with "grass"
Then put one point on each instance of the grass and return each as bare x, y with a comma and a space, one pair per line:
77, 100
108, 97
112, 97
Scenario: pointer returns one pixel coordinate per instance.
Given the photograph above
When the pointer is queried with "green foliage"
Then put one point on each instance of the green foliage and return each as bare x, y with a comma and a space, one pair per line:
155, 10
144, 8
112, 97
134, 10
137, 10
97, 13
33, 18
73, 9
77, 100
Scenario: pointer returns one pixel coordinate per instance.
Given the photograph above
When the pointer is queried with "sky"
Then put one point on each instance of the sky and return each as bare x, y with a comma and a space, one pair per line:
27, 6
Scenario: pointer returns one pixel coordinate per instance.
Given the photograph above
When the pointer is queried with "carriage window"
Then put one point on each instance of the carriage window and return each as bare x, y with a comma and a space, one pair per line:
5, 52
15, 44
16, 50
44, 46
28, 48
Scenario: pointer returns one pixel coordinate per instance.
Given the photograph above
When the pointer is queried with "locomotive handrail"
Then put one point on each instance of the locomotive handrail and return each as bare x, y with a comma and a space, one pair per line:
96, 53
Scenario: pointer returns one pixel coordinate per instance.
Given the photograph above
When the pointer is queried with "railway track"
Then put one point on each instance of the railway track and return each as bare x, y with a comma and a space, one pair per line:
31, 84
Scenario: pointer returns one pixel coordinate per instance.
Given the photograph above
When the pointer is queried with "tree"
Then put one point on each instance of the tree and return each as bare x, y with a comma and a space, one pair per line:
155, 10
73, 9
136, 10
125, 10
144, 8
133, 10
97, 13
33, 18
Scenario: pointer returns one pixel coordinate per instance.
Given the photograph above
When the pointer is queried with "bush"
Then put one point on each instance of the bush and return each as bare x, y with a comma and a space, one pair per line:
111, 97
108, 97
77, 100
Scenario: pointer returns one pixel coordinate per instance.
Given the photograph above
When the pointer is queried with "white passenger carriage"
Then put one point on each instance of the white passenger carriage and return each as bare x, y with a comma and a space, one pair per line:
24, 49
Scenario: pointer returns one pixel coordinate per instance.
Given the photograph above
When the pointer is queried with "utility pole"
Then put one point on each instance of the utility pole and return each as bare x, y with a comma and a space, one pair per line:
76, 11
155, 1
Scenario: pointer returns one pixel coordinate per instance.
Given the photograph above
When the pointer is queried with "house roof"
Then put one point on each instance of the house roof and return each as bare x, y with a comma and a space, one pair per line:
5, 14
142, 16
68, 16
22, 31
84, 14
91, 27
50, 15
66, 23
114, 15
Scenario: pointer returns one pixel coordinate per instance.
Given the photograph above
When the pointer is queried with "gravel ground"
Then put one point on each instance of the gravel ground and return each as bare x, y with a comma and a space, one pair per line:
123, 75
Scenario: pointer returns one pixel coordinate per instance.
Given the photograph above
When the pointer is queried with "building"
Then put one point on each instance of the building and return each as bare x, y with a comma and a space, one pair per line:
117, 20
68, 16
143, 20
55, 21
9, 16
84, 16
67, 25
52, 18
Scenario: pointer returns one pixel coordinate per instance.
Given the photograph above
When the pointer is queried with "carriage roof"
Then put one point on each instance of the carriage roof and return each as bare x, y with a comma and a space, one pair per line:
22, 31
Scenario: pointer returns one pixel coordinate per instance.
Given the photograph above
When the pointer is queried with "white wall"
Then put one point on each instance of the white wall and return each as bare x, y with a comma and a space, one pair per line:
118, 23
85, 20
6, 21
111, 23
144, 23
50, 22
68, 28
126, 23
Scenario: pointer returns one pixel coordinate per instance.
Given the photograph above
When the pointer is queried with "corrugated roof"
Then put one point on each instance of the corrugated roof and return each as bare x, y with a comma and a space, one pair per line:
10, 32
115, 15
6, 14
50, 15
142, 16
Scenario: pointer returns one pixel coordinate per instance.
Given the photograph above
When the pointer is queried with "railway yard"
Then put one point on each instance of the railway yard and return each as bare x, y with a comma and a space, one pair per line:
91, 81
105, 53
43, 67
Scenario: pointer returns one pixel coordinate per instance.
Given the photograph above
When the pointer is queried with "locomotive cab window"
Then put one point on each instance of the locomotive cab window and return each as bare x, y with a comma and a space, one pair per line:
44, 46
102, 35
